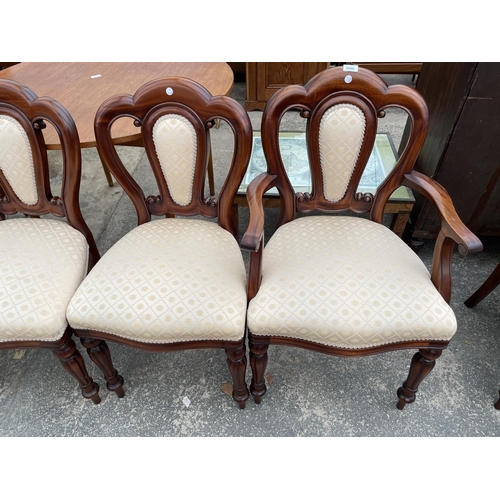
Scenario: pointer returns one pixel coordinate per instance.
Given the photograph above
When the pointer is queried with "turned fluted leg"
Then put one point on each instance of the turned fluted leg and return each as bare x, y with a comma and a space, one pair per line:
258, 363
237, 363
73, 363
99, 353
421, 365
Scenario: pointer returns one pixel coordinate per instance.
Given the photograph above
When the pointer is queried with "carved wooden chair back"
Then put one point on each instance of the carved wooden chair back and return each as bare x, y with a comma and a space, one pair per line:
175, 116
342, 111
42, 260
24, 170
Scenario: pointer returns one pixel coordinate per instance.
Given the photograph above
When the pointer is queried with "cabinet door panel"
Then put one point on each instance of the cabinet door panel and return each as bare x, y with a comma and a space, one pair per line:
264, 79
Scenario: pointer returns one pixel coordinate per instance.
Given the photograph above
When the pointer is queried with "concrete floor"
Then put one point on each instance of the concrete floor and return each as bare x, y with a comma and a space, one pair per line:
309, 394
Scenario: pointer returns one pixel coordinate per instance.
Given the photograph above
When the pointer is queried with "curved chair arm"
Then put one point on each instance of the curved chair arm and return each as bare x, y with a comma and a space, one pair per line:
453, 230
255, 191
451, 225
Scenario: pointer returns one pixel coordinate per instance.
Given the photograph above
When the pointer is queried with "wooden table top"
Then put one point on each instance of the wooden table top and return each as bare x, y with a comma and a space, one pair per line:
71, 84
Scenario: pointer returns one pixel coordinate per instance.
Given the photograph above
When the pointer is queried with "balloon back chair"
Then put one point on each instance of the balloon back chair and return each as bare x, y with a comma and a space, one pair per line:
42, 260
338, 284
171, 283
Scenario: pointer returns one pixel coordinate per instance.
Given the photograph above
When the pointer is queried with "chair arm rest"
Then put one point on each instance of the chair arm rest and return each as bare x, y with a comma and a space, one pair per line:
451, 224
255, 191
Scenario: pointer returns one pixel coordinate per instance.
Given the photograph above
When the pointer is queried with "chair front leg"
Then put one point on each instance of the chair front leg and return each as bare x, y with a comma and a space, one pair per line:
237, 364
421, 365
258, 361
72, 362
99, 353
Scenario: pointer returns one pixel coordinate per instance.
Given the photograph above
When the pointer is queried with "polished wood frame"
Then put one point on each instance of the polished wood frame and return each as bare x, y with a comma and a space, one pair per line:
195, 103
371, 94
32, 113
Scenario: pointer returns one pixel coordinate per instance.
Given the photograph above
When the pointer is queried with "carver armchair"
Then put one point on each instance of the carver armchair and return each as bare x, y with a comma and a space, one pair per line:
42, 260
171, 283
341, 282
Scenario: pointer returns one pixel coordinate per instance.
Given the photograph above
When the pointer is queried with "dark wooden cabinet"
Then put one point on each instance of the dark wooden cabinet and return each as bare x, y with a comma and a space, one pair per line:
263, 79
398, 68
462, 150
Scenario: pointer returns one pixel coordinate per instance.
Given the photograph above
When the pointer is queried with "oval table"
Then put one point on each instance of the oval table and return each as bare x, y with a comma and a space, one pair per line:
81, 87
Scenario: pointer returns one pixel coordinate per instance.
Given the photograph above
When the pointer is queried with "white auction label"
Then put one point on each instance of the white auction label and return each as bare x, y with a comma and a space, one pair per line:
351, 67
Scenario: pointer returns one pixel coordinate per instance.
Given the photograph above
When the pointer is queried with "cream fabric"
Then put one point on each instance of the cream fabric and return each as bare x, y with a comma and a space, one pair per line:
42, 262
341, 133
175, 142
16, 161
346, 282
170, 280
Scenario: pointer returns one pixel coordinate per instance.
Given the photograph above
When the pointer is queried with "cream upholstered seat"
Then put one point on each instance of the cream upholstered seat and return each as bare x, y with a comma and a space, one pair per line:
170, 280
171, 283
335, 283
352, 283
42, 260
42, 263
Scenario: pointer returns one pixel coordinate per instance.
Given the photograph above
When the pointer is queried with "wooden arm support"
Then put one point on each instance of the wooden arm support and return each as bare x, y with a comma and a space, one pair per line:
255, 191
453, 230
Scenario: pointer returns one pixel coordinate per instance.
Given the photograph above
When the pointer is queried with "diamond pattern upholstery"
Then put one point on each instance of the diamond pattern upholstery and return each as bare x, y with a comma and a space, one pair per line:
340, 138
169, 280
175, 142
16, 161
350, 283
42, 262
